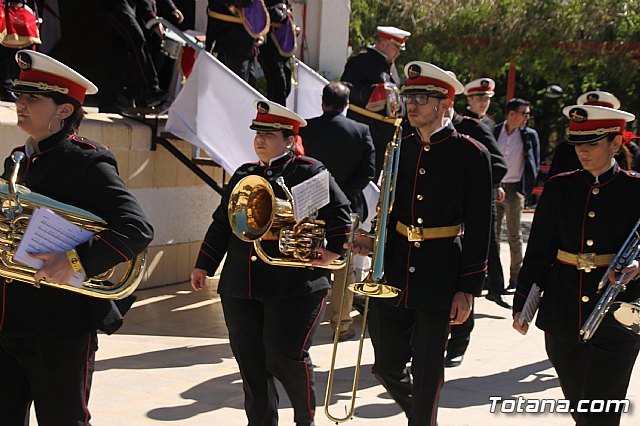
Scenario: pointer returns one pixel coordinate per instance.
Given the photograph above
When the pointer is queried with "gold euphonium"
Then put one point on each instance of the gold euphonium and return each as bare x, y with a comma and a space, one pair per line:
255, 213
18, 204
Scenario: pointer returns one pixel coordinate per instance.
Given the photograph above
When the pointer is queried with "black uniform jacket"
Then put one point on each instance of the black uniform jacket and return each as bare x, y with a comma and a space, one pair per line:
244, 274
443, 183
229, 37
577, 215
345, 147
487, 120
477, 130
75, 171
364, 71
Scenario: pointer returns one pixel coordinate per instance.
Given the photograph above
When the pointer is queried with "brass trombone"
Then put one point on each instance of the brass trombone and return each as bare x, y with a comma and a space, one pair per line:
375, 285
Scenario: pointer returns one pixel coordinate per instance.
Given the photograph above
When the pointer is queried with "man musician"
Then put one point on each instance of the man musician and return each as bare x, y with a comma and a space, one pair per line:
370, 72
437, 269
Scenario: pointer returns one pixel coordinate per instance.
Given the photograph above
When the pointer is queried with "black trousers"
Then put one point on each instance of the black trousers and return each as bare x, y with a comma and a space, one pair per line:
276, 70
401, 335
53, 372
495, 275
461, 333
132, 49
597, 370
270, 338
461, 336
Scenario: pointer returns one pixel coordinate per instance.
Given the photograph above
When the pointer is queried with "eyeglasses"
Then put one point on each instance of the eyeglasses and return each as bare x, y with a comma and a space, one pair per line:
525, 113
420, 99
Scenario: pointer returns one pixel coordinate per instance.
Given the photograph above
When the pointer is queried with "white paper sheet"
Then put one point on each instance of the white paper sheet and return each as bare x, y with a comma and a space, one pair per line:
49, 232
311, 195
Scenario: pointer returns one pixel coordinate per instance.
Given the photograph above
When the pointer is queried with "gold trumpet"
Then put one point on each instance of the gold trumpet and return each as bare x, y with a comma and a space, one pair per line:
255, 213
375, 285
18, 204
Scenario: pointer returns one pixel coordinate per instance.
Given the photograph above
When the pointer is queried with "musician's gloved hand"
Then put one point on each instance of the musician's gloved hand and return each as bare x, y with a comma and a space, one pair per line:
325, 257
460, 307
56, 268
198, 278
522, 329
362, 244
632, 272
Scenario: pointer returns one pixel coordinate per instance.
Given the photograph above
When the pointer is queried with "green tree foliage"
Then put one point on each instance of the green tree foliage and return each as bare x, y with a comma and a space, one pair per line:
577, 44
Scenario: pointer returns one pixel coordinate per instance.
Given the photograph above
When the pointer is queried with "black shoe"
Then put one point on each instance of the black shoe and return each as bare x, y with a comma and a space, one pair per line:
499, 300
157, 98
453, 361
358, 307
347, 334
511, 288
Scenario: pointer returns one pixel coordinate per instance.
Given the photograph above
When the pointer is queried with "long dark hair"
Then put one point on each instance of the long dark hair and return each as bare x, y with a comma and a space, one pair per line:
71, 123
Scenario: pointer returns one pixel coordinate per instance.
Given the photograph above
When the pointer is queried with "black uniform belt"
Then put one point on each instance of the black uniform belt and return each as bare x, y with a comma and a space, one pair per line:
418, 233
375, 116
584, 261
223, 17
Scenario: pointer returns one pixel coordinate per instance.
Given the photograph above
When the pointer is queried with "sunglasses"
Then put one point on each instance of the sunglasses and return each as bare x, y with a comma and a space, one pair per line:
417, 99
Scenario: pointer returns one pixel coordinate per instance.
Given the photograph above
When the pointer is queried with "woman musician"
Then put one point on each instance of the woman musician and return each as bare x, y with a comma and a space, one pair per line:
273, 312
48, 335
581, 221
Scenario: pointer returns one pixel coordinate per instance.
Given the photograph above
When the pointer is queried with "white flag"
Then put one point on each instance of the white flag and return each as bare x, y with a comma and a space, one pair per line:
306, 96
213, 111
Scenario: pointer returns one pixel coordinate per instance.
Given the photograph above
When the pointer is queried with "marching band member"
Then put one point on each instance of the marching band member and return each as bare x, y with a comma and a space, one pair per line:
369, 73
582, 218
565, 158
273, 312
47, 335
437, 268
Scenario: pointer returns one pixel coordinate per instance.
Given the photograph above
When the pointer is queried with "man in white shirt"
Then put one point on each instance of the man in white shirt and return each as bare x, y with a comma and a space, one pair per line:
520, 147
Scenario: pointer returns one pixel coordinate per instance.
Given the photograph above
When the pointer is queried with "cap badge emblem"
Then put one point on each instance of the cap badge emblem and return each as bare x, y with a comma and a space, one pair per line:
263, 107
24, 61
578, 115
414, 71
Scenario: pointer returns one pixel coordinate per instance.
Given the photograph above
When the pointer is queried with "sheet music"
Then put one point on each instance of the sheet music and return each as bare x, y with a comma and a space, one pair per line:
531, 305
49, 232
311, 195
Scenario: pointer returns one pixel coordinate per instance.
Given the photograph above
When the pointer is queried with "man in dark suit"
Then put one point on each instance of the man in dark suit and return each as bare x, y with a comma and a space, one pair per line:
345, 147
520, 146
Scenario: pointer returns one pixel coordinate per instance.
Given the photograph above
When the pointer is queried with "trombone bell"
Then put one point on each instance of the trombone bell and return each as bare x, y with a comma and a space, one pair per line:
372, 289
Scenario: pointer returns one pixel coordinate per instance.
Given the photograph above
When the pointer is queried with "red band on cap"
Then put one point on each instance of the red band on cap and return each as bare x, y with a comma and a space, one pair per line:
388, 36
76, 91
596, 124
425, 81
480, 89
602, 104
270, 118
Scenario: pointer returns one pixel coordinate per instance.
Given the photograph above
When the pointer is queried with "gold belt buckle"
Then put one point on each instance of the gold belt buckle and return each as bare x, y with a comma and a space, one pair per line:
586, 261
414, 233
